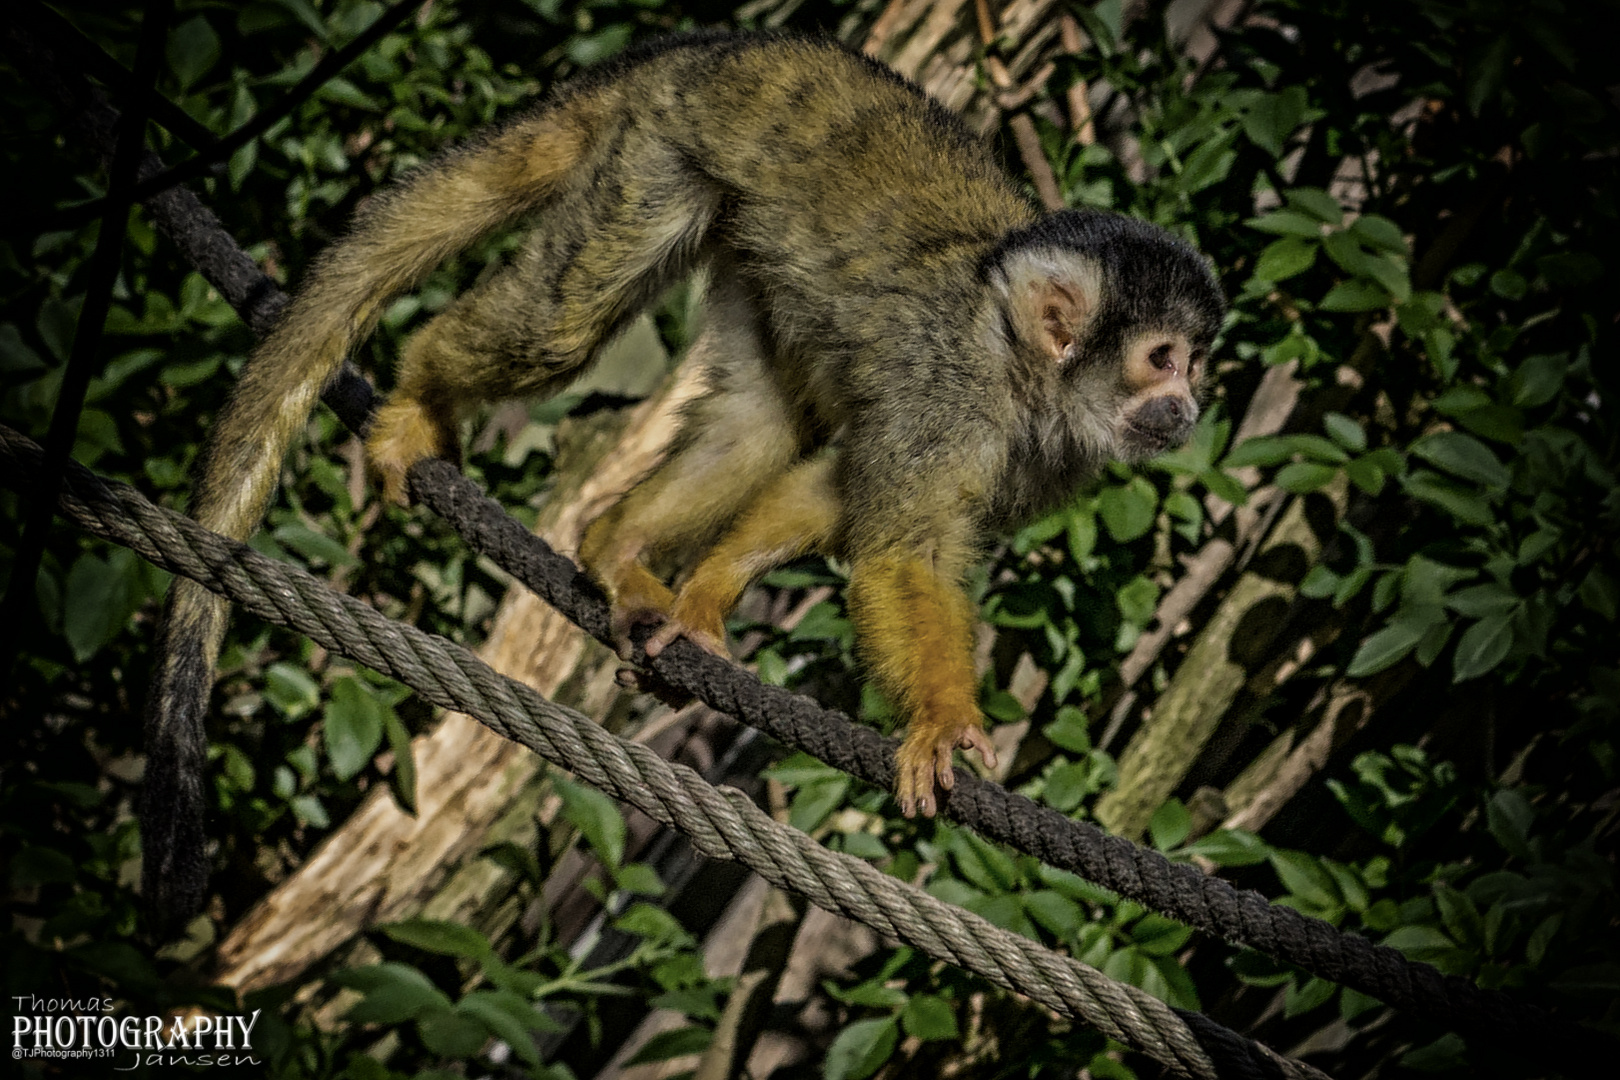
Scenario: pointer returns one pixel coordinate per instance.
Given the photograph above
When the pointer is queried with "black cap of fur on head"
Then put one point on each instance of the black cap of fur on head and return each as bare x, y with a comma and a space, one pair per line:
1172, 285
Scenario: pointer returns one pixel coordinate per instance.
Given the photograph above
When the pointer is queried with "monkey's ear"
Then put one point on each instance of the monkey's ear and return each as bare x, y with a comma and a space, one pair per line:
1050, 298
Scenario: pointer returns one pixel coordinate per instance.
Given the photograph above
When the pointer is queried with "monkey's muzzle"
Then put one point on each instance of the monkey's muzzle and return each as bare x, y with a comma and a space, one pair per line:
1160, 423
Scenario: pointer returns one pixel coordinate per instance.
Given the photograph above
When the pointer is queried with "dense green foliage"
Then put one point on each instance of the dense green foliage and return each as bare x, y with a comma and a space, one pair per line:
1418, 205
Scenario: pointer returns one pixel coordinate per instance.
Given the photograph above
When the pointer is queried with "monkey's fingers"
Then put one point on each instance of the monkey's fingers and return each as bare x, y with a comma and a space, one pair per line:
917, 763
975, 738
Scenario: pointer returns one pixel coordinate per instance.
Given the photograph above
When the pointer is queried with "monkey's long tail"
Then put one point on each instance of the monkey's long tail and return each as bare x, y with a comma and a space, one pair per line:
395, 242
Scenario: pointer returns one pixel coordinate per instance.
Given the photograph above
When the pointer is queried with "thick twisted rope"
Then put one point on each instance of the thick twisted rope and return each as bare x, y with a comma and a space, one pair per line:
721, 822
1204, 902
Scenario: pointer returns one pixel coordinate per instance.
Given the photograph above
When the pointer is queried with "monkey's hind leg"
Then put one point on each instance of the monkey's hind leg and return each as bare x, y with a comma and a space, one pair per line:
473, 352
794, 515
734, 440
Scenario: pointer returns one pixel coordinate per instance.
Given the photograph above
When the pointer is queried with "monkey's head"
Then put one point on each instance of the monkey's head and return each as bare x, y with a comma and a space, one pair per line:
1110, 320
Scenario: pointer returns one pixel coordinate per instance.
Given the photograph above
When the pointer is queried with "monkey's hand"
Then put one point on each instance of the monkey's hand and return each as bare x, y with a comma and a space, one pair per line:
926, 755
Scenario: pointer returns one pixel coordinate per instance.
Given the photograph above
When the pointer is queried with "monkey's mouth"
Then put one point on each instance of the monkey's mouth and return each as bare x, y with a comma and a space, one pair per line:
1147, 441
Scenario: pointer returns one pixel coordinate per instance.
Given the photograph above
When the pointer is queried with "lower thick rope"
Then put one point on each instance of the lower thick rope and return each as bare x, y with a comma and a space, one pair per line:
721, 822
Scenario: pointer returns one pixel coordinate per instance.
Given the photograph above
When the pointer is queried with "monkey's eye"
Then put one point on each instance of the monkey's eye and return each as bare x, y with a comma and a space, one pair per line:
1160, 357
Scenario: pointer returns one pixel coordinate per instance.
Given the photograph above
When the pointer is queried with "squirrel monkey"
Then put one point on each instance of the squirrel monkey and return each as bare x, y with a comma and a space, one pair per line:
905, 357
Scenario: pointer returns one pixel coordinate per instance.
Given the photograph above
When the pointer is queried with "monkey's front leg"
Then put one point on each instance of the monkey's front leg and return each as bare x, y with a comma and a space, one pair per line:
916, 627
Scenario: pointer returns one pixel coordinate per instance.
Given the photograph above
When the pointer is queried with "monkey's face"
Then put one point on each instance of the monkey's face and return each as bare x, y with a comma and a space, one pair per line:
1161, 374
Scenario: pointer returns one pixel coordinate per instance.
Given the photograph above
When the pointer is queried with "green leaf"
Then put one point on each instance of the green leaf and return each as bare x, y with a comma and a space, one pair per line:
1600, 592
1260, 450
193, 49
928, 1017
1055, 912
1319, 583
1357, 294
1137, 600
1464, 504
33, 865
314, 546
440, 937
813, 802
1230, 847
673, 1044
1302, 998
587, 49
1570, 269
1070, 730
1420, 942
403, 778
1206, 166
1379, 232
291, 690
1509, 816
451, 1034
98, 599
17, 359
1157, 935
310, 810
1486, 68
871, 994
860, 1049
340, 91
1303, 477
352, 727
1460, 916
393, 993
1365, 474
1128, 511
597, 818
1509, 285
1345, 431
1482, 646
1384, 648
305, 12
1284, 258
1304, 877
1272, 118
1538, 380
1317, 203
1462, 455
509, 1018
1170, 824
1478, 601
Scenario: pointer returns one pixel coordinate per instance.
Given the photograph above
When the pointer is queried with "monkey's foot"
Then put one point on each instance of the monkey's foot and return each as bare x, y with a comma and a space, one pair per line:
404, 432
706, 632
639, 599
926, 756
